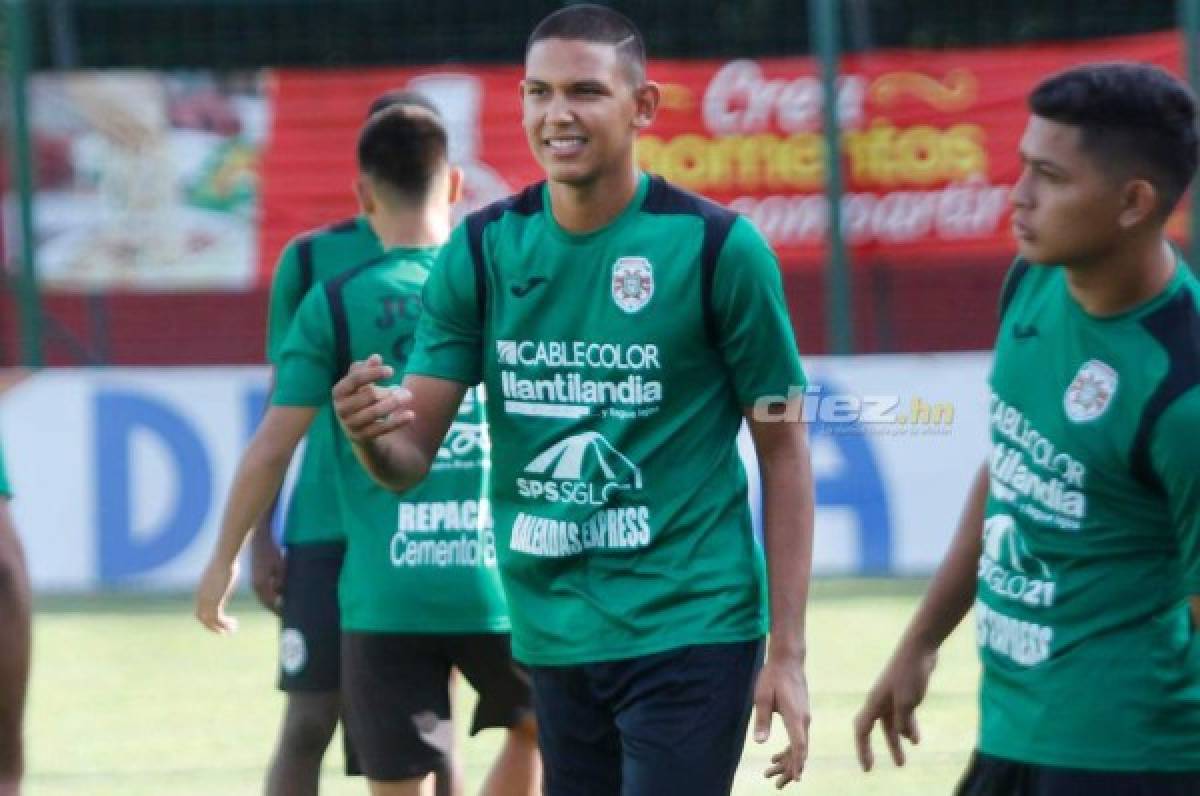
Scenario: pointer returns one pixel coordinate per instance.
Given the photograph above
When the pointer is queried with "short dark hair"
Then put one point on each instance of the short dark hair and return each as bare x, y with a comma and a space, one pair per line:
1131, 116
402, 96
593, 23
403, 147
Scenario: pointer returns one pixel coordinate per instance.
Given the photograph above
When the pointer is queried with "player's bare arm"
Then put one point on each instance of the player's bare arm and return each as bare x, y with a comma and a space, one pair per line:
266, 558
267, 562
894, 698
395, 432
784, 463
259, 475
14, 657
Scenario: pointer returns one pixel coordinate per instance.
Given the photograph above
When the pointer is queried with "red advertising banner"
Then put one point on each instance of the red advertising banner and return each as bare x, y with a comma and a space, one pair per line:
929, 141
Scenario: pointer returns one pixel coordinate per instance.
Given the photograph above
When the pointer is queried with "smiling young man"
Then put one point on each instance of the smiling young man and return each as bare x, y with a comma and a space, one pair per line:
623, 329
1080, 543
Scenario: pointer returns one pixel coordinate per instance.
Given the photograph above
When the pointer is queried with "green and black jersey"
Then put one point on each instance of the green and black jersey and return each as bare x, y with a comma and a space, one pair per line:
617, 366
419, 562
1092, 535
306, 261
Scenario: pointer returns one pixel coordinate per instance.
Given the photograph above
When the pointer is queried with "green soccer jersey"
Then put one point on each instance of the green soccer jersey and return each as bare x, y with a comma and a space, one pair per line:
309, 259
5, 491
1092, 535
617, 364
423, 561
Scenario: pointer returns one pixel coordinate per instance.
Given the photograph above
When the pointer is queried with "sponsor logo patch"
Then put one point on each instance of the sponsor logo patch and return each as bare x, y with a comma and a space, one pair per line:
583, 469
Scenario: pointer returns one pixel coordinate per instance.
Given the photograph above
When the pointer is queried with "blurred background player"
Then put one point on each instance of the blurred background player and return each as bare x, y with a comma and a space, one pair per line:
14, 651
302, 587
1079, 546
624, 329
418, 592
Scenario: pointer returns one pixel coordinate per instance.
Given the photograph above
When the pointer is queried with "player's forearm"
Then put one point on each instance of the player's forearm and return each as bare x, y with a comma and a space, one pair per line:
258, 479
788, 538
396, 461
261, 537
14, 653
952, 590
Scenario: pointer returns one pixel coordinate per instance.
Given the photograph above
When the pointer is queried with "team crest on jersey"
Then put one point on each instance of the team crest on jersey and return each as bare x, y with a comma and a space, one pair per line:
1090, 392
632, 283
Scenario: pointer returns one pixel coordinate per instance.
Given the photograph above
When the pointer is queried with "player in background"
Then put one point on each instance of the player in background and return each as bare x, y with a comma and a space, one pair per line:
14, 652
1079, 547
623, 328
418, 592
302, 586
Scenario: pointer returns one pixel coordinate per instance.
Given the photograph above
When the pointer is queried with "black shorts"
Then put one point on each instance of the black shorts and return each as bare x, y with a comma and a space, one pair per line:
310, 639
672, 722
396, 703
996, 776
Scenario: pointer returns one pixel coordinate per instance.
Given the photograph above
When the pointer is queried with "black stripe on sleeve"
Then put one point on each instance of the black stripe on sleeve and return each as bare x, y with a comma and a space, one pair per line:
662, 198
304, 258
335, 295
526, 203
1176, 326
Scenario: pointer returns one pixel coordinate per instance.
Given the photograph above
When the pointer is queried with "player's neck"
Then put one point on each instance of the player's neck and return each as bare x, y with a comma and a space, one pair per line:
1122, 280
411, 228
587, 207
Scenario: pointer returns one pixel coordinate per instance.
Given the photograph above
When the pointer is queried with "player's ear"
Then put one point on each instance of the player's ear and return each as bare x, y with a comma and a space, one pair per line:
646, 98
1139, 201
456, 182
362, 191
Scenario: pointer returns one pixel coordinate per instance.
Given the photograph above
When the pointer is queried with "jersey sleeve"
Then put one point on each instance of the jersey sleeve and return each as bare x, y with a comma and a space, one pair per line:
1176, 459
307, 367
288, 289
754, 330
449, 337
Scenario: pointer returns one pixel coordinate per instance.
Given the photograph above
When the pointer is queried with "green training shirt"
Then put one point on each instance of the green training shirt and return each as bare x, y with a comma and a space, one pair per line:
1092, 535
306, 261
617, 364
419, 562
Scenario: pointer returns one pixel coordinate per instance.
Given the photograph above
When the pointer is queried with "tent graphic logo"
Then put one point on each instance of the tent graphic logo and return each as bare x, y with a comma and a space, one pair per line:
1003, 544
583, 455
584, 468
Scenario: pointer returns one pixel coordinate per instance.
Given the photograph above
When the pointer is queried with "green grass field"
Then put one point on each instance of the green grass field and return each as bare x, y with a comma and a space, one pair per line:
131, 696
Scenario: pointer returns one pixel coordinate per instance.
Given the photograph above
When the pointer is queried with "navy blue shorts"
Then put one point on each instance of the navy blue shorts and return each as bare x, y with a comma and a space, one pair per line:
672, 722
311, 637
996, 776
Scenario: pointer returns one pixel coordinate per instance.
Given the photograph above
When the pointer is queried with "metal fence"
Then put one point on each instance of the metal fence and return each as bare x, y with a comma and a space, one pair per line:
883, 307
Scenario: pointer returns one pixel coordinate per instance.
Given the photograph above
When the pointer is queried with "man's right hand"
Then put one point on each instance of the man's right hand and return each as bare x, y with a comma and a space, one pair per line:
267, 568
212, 595
365, 410
893, 701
